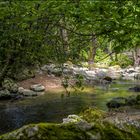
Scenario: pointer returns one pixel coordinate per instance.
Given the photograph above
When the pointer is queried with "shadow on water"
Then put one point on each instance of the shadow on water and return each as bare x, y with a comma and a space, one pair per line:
51, 107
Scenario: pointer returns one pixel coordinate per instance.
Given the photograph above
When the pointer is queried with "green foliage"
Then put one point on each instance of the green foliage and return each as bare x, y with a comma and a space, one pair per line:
35, 33
123, 61
79, 79
65, 82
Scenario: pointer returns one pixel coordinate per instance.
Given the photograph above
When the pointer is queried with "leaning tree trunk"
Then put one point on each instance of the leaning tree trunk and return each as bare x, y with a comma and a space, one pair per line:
136, 56
92, 51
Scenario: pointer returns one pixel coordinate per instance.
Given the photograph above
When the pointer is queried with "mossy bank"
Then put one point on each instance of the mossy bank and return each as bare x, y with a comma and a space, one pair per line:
89, 125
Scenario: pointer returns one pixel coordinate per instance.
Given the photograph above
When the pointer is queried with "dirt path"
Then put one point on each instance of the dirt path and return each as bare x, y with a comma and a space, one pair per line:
49, 82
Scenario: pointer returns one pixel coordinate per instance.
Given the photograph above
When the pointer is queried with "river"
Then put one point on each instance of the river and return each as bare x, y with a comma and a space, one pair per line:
51, 107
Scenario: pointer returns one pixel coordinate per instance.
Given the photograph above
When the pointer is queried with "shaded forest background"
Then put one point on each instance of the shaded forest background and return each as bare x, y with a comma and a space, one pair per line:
34, 33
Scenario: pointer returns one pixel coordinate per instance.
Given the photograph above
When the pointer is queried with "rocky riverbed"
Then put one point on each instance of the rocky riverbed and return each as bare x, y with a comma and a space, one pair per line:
104, 91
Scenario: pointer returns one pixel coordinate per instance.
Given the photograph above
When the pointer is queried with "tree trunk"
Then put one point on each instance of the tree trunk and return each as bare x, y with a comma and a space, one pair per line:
116, 56
64, 36
92, 51
136, 56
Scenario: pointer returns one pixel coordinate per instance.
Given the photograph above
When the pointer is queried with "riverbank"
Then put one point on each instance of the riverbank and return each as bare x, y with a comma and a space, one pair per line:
89, 125
53, 107
48, 81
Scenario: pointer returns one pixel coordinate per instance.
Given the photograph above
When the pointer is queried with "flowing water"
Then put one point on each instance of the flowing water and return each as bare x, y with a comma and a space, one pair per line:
52, 107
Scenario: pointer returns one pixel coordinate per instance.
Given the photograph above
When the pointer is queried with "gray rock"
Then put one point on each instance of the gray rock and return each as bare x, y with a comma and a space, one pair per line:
128, 76
40, 93
84, 125
20, 90
27, 92
101, 74
137, 76
72, 119
131, 70
37, 87
48, 67
32, 131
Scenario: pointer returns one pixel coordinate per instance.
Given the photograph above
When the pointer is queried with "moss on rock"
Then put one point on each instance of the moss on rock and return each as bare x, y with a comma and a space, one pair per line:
92, 114
98, 129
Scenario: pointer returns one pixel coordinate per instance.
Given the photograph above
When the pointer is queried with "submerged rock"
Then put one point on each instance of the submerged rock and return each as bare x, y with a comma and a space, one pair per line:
135, 89
116, 102
121, 101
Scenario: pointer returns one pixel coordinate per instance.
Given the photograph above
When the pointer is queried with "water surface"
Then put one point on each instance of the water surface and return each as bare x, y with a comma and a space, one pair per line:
51, 107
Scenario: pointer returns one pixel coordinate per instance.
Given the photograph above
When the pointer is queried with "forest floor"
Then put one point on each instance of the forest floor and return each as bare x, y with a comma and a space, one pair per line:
49, 82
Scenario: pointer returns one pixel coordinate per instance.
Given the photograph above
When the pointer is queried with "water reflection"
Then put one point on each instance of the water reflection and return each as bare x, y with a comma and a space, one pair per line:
53, 108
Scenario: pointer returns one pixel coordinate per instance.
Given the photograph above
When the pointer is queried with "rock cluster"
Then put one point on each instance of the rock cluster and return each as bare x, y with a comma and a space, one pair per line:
131, 73
96, 74
11, 90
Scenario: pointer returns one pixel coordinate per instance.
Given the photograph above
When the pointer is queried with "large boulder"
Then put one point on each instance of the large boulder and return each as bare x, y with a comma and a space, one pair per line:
101, 73
116, 102
89, 75
81, 130
52, 69
5, 94
37, 87
10, 85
